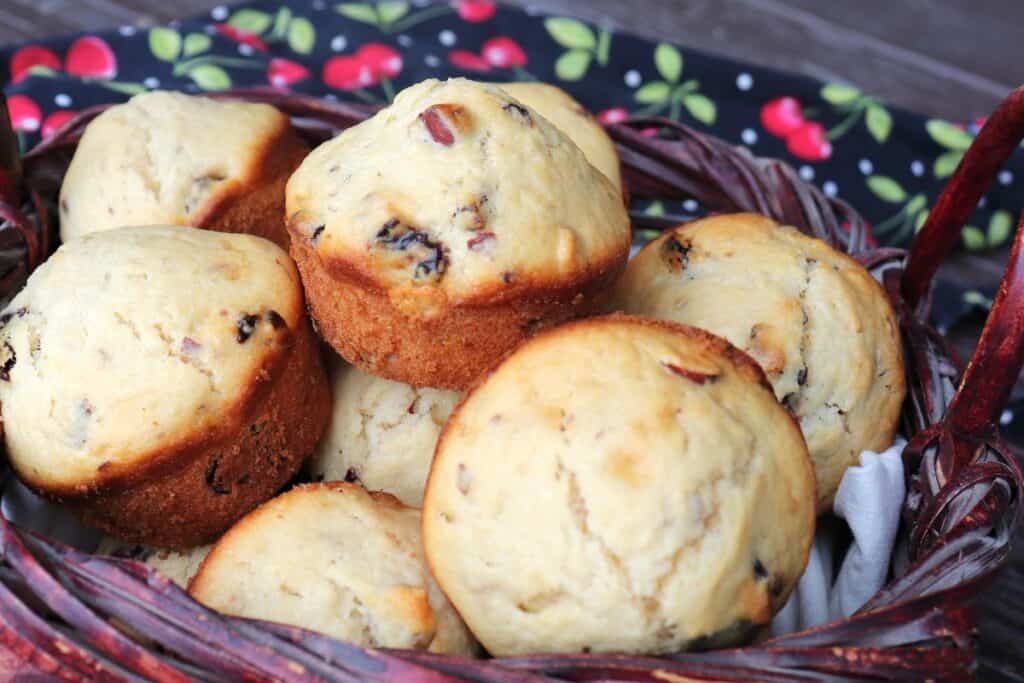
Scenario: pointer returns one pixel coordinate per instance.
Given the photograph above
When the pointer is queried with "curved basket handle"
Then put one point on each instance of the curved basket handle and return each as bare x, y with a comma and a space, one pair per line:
988, 152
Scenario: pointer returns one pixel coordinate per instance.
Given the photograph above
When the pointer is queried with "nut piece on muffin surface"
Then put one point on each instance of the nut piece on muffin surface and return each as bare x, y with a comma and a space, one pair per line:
176, 159
819, 325
619, 484
569, 116
381, 433
439, 233
161, 381
336, 559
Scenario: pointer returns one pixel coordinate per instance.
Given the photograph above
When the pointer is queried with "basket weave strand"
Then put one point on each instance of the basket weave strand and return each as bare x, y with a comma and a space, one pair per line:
73, 616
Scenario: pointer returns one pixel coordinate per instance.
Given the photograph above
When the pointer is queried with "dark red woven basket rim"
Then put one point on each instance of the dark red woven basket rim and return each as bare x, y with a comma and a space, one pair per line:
73, 616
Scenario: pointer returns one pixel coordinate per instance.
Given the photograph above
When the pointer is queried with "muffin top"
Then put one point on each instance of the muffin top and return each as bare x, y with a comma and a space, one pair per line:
164, 157
336, 559
630, 477
815, 320
177, 565
382, 433
569, 116
130, 345
457, 194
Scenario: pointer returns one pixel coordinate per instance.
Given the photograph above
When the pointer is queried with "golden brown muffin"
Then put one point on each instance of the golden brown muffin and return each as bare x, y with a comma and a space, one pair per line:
819, 325
175, 159
619, 484
177, 565
336, 559
161, 381
435, 236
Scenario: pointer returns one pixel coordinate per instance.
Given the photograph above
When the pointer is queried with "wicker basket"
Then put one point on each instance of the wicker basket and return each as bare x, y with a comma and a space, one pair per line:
68, 615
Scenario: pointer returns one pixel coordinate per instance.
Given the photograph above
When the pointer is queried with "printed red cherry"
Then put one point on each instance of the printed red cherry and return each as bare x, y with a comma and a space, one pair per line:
383, 61
29, 56
781, 116
613, 115
503, 53
240, 36
91, 57
475, 10
346, 72
24, 113
283, 72
54, 121
809, 142
464, 59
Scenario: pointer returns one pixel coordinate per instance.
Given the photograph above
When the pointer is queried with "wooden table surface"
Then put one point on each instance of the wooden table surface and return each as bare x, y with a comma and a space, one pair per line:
951, 58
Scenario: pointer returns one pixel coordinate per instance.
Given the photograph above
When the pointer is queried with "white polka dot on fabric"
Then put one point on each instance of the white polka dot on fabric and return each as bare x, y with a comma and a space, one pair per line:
447, 38
339, 43
690, 205
830, 188
404, 40
62, 100
432, 61
633, 78
806, 172
126, 30
152, 82
865, 166
1006, 417
744, 81
1005, 177
983, 202
331, 97
210, 30
319, 5
749, 136
917, 168
245, 50
219, 13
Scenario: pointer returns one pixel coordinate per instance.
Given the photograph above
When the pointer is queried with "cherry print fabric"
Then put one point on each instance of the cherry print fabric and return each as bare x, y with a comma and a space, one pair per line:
889, 163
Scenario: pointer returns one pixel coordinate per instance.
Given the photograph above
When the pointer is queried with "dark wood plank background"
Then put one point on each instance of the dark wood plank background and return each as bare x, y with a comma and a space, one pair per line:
951, 58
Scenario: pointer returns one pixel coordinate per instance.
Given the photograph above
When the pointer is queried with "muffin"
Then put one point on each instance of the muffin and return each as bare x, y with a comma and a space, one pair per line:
619, 484
161, 381
569, 116
381, 433
436, 235
336, 559
177, 159
819, 325
177, 565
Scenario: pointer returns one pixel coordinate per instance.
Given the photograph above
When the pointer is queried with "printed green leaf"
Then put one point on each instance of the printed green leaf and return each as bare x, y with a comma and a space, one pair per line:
999, 228
974, 238
40, 70
122, 87
946, 163
301, 35
210, 77
359, 11
196, 43
653, 92
886, 189
879, 122
919, 221
392, 10
570, 33
976, 298
250, 20
839, 94
281, 20
948, 135
669, 62
604, 44
164, 43
700, 108
916, 203
655, 209
572, 65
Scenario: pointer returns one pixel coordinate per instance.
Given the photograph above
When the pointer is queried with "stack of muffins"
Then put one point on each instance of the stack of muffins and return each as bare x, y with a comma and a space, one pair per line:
494, 461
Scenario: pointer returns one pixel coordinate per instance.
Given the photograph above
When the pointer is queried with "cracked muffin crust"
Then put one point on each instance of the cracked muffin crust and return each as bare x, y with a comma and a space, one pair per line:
336, 559
569, 116
819, 325
381, 434
632, 478
175, 159
161, 381
177, 565
439, 233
